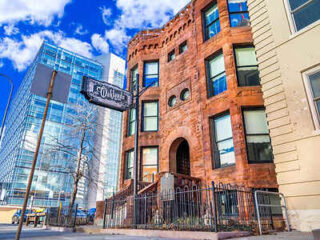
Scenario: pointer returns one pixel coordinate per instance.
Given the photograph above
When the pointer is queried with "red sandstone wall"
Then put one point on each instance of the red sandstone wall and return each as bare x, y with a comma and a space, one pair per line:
190, 119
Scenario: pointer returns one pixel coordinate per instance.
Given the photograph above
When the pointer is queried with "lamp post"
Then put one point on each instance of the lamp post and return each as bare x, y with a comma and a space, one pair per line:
8, 103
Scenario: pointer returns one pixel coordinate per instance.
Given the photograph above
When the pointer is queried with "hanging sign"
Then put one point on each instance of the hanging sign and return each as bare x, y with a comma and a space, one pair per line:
105, 94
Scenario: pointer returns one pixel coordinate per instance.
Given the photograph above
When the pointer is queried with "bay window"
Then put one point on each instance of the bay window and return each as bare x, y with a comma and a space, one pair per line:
149, 163
129, 164
150, 116
132, 122
134, 73
151, 74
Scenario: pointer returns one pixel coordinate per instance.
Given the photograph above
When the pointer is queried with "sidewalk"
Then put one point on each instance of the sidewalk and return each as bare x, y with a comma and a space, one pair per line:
281, 236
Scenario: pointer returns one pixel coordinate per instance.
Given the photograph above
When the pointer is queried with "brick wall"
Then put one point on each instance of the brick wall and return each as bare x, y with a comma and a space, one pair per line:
190, 119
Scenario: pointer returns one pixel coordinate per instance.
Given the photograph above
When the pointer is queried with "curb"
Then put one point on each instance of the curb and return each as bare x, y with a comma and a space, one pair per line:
166, 234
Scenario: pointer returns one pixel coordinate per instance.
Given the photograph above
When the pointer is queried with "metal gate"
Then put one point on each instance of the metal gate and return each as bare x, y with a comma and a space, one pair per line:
270, 208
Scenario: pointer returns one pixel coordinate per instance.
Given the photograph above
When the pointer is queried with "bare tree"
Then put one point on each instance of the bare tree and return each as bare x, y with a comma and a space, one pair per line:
77, 144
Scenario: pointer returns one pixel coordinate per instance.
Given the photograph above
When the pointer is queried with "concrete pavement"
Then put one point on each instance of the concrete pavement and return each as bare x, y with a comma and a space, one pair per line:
8, 231
281, 236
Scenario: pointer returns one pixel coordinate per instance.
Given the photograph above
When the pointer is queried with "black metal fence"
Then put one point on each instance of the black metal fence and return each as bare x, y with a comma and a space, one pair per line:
65, 217
211, 208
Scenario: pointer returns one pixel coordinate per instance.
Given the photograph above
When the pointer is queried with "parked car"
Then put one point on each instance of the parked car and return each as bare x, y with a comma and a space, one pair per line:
91, 214
81, 214
16, 217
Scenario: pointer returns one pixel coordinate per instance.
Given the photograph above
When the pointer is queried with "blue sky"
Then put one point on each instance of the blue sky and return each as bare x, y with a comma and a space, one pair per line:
88, 27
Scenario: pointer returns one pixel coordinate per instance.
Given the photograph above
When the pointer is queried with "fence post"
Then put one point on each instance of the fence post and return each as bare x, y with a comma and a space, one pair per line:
258, 212
75, 218
145, 209
105, 213
214, 207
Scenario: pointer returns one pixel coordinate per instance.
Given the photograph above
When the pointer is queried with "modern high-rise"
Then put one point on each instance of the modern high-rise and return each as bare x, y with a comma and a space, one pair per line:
108, 141
286, 34
52, 180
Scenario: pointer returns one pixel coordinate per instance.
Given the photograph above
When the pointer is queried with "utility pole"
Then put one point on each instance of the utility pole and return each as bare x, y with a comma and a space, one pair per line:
36, 153
8, 103
136, 152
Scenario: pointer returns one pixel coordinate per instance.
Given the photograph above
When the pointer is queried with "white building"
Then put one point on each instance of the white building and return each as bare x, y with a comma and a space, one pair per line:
108, 137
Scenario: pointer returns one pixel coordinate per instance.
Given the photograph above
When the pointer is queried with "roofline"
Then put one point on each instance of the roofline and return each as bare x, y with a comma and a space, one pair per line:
164, 25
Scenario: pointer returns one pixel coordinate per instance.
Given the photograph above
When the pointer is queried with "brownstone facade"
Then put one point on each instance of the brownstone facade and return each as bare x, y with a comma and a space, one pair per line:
190, 120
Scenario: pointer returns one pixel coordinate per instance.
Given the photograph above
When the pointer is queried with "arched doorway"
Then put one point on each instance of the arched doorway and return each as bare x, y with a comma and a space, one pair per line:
180, 157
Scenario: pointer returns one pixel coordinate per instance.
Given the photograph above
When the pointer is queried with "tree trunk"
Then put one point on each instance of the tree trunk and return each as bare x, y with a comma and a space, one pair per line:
77, 175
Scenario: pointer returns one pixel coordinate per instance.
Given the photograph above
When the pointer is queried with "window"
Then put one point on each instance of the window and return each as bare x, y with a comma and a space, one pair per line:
257, 136
247, 66
217, 76
223, 150
149, 163
304, 12
238, 12
211, 21
171, 56
150, 116
172, 101
185, 94
312, 83
151, 74
132, 122
183, 47
134, 73
129, 164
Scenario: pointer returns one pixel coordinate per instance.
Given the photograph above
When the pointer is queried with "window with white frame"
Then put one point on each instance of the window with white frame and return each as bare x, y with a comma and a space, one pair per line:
312, 83
303, 12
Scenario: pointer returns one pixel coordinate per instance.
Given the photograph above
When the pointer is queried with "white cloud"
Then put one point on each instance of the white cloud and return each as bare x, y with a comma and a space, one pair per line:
99, 43
10, 30
35, 11
106, 13
137, 14
80, 30
22, 52
118, 38
1, 64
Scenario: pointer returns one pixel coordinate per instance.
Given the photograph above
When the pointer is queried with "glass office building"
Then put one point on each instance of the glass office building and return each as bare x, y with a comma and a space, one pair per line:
108, 141
51, 181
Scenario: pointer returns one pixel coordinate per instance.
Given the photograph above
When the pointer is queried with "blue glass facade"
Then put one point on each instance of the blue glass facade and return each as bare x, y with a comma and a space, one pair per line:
22, 127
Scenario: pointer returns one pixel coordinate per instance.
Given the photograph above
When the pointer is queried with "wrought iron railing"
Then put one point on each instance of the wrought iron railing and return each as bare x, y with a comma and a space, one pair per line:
211, 208
65, 217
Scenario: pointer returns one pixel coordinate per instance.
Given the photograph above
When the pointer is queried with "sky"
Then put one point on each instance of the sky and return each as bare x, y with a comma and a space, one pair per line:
87, 27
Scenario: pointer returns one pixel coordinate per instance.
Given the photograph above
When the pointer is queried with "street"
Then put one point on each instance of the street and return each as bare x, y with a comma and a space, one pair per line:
8, 231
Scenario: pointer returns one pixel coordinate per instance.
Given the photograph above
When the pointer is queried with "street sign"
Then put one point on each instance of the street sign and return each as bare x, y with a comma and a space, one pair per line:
105, 94
41, 80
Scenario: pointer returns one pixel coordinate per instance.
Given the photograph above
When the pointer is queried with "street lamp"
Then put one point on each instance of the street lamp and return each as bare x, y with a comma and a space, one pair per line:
8, 103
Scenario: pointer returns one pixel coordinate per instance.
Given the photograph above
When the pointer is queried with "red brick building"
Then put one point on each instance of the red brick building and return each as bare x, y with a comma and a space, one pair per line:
203, 117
